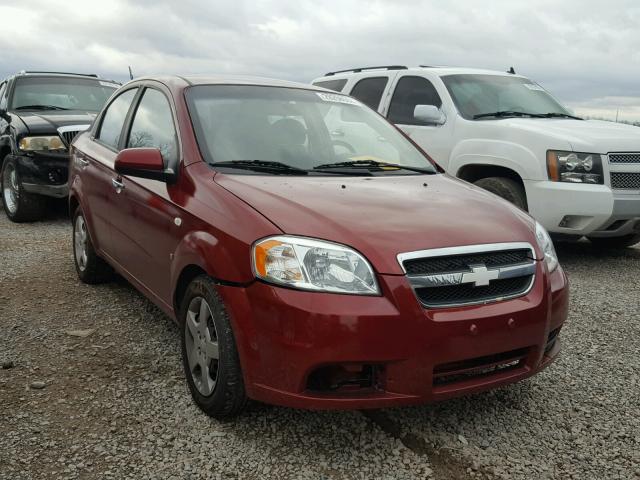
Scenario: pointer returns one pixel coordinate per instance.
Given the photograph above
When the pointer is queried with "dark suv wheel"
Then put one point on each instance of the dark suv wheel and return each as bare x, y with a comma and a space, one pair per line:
209, 352
20, 206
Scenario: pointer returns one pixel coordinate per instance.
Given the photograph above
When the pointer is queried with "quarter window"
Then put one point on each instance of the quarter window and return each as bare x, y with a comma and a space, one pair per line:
369, 91
114, 118
336, 85
411, 91
153, 126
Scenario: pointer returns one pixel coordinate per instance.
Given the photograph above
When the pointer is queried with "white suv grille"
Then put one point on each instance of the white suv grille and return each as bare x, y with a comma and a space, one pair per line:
624, 158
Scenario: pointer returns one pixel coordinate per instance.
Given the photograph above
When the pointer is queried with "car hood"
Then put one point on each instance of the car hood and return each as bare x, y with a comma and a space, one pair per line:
592, 136
383, 216
46, 123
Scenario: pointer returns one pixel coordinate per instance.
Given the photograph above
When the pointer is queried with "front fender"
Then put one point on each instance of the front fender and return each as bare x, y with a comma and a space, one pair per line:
510, 155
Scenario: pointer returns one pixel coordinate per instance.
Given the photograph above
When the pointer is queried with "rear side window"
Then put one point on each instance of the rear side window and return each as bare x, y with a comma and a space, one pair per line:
411, 91
369, 91
336, 85
153, 126
114, 118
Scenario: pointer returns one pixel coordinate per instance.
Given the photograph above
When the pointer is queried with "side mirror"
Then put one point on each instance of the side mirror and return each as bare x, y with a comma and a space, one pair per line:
143, 163
429, 114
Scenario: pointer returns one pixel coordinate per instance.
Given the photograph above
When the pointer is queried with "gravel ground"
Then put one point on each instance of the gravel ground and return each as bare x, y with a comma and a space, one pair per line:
92, 387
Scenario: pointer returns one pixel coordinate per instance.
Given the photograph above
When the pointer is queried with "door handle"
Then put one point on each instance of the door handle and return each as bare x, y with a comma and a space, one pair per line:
81, 162
119, 186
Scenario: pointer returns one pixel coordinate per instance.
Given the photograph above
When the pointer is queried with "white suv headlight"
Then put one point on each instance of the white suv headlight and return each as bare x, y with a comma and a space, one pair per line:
309, 264
546, 245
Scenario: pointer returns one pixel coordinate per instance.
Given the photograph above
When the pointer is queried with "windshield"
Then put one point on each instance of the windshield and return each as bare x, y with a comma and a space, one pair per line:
296, 129
479, 95
61, 93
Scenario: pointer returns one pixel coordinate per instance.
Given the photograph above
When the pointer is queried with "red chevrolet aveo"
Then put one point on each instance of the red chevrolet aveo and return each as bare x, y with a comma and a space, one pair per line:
313, 256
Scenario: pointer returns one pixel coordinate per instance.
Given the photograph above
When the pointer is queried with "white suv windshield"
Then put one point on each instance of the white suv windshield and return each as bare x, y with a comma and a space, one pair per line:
303, 129
480, 96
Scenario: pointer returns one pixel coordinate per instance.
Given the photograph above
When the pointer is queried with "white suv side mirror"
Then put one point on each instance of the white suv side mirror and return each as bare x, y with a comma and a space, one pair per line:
429, 114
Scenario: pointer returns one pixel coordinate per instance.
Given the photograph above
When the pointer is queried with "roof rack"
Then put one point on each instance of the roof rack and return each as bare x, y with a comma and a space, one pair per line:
360, 69
93, 75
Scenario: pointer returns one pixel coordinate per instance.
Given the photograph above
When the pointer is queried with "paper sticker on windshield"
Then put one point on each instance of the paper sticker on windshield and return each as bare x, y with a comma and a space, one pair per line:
333, 97
533, 86
108, 84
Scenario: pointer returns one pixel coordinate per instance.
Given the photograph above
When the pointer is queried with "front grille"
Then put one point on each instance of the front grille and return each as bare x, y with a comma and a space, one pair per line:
470, 275
625, 181
624, 158
468, 293
68, 136
459, 263
453, 372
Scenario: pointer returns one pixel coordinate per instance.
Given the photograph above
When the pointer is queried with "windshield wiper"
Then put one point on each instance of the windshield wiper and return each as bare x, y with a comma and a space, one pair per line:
561, 115
40, 107
508, 113
261, 165
371, 164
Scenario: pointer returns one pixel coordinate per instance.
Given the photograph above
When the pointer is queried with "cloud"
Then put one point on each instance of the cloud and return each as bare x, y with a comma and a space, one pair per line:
581, 50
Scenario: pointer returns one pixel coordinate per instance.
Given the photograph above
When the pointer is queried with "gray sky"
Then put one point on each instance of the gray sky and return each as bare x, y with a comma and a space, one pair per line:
585, 52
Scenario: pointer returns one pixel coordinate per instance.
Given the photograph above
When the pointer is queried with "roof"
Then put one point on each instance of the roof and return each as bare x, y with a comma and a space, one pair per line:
90, 76
187, 80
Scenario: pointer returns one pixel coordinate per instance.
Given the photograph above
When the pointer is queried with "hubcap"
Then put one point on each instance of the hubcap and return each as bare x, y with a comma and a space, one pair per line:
10, 190
80, 243
201, 341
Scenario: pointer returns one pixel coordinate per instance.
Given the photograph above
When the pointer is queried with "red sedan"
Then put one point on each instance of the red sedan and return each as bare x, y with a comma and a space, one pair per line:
313, 256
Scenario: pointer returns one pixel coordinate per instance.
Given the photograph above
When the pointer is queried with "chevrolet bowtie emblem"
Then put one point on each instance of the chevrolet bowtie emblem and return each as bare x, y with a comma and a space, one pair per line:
480, 275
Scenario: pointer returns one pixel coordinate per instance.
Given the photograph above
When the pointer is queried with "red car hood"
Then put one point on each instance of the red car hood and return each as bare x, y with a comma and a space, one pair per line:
383, 216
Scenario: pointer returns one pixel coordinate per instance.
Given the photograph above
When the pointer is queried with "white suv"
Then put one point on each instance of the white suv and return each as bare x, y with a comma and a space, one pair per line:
505, 133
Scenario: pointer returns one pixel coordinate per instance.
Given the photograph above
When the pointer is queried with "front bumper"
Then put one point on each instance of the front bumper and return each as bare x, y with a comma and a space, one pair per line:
44, 174
285, 337
575, 209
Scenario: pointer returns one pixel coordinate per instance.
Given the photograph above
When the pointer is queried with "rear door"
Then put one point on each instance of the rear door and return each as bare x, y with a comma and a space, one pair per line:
146, 221
94, 162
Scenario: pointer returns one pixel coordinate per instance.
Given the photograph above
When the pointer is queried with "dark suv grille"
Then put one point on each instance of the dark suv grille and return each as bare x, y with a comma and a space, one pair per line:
625, 181
68, 137
470, 275
624, 158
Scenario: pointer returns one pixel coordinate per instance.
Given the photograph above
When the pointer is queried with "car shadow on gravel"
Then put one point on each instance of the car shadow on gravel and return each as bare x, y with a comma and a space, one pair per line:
568, 251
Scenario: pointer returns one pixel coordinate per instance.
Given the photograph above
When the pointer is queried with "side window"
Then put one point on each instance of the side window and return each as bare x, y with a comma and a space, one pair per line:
114, 117
153, 126
336, 85
411, 91
369, 91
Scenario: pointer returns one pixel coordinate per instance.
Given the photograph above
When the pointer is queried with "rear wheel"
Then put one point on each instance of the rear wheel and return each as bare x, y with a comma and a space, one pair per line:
209, 353
20, 206
615, 242
506, 188
90, 267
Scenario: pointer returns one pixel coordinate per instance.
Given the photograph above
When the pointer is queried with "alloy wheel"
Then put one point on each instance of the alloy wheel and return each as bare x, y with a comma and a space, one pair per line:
201, 341
10, 190
80, 237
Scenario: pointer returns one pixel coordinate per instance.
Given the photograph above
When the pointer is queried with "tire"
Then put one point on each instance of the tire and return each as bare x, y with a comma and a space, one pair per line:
613, 243
90, 267
216, 384
505, 188
19, 205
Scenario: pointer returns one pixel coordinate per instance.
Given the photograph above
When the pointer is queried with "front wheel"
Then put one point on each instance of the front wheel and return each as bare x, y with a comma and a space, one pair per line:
209, 353
615, 242
19, 205
505, 188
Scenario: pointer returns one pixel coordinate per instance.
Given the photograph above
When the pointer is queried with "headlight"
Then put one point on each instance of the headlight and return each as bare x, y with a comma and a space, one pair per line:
546, 245
30, 144
309, 264
575, 167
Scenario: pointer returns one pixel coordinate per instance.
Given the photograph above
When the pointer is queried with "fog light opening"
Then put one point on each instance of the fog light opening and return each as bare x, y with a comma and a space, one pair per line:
344, 378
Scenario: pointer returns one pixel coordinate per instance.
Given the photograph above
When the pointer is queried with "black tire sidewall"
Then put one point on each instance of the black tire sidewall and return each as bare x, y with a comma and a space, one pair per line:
29, 207
506, 189
228, 397
96, 271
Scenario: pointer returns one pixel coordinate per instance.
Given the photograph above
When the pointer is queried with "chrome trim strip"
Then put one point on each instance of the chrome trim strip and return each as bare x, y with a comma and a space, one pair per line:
73, 128
464, 250
446, 279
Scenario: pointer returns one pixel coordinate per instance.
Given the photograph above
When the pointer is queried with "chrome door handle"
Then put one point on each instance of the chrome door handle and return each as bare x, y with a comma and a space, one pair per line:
81, 162
119, 186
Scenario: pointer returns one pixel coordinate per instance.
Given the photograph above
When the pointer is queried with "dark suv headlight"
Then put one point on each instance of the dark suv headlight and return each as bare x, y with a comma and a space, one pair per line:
574, 167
